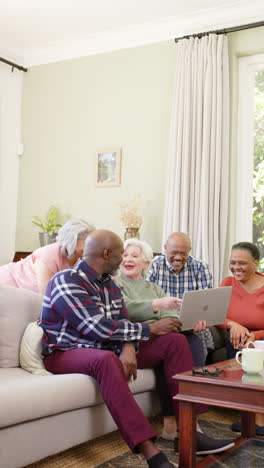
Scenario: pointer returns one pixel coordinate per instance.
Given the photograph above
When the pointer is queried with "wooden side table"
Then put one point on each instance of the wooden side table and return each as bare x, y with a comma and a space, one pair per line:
228, 390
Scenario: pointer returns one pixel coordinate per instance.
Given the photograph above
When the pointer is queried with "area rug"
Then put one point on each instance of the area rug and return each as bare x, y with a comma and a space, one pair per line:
129, 459
97, 451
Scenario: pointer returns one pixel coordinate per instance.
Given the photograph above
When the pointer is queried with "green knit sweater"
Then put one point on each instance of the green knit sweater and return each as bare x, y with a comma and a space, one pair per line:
138, 296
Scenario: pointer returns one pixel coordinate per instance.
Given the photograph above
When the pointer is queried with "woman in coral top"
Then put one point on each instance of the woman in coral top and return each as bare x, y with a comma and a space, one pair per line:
245, 316
35, 271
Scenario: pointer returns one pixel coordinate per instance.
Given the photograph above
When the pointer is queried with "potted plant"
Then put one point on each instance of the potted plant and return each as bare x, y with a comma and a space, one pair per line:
48, 225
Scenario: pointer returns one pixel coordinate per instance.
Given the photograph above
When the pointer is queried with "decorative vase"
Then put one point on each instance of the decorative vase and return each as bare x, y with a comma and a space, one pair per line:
131, 232
45, 238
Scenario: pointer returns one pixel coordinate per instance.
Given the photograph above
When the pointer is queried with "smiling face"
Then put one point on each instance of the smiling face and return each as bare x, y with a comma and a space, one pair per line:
242, 265
177, 249
133, 263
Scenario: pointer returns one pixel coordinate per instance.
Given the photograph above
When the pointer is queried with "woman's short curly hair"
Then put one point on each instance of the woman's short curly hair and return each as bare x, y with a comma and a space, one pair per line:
251, 248
146, 250
70, 233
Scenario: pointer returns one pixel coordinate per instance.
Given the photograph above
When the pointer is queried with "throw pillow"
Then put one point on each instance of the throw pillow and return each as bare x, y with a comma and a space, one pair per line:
30, 350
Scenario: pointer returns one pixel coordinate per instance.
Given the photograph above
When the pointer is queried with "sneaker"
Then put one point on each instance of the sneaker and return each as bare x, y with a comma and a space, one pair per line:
236, 427
206, 445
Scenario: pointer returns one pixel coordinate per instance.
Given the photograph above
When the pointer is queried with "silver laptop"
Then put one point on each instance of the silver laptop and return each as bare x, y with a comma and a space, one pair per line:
205, 304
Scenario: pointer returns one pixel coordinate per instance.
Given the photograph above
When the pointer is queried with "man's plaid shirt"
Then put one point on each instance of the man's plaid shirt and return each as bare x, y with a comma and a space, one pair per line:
194, 275
82, 309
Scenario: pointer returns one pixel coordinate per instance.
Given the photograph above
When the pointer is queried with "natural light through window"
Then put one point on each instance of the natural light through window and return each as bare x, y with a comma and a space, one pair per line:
250, 153
258, 165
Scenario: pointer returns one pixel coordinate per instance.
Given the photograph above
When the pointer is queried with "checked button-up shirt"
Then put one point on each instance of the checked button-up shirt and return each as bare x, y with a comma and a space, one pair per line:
194, 275
82, 309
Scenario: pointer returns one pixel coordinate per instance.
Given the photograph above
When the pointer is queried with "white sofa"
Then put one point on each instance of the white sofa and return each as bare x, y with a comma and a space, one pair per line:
45, 414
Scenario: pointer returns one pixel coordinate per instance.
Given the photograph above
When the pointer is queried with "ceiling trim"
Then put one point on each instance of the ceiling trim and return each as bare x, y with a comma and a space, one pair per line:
200, 21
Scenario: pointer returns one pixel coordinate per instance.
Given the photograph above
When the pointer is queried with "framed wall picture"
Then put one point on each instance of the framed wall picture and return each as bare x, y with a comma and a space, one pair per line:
108, 167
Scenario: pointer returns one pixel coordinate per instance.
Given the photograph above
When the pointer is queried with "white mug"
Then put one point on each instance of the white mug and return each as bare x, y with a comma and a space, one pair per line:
252, 360
259, 344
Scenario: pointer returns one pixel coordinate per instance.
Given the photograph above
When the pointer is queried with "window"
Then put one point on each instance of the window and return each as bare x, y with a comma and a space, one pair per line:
250, 152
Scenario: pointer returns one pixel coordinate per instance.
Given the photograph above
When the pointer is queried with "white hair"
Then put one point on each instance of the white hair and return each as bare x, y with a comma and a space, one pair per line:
70, 233
146, 250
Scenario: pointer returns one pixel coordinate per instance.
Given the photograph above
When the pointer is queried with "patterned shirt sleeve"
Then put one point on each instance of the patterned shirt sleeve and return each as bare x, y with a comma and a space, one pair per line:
82, 311
152, 273
204, 279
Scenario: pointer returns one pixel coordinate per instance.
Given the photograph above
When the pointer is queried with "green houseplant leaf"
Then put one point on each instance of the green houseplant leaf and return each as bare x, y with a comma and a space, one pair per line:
50, 223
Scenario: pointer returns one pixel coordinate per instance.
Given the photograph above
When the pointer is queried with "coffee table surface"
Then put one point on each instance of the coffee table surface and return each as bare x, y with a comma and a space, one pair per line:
232, 375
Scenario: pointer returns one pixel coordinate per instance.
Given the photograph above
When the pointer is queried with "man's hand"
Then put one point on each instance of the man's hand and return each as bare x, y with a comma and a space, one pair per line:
164, 326
166, 303
129, 361
199, 326
238, 335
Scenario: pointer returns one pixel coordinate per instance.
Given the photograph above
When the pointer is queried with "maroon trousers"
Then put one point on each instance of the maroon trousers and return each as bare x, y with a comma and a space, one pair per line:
169, 354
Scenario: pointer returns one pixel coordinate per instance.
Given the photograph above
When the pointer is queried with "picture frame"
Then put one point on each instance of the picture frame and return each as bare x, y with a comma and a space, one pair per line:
108, 167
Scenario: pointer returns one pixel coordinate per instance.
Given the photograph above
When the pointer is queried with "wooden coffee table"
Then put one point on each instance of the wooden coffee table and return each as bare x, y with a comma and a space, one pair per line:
228, 390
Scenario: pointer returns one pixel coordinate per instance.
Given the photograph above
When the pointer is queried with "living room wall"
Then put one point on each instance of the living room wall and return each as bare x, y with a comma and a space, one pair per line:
72, 109
120, 99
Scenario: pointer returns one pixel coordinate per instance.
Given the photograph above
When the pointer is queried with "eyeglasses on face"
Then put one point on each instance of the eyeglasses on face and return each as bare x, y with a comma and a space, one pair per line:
212, 371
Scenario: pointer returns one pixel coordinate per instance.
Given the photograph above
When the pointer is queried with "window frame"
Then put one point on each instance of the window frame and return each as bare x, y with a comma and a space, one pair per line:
247, 66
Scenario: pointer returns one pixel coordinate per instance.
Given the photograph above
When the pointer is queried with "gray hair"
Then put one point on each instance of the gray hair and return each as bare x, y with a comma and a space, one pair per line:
70, 233
146, 250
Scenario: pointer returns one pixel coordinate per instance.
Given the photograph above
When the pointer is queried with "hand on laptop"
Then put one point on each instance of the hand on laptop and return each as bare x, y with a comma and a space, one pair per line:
166, 303
199, 326
164, 326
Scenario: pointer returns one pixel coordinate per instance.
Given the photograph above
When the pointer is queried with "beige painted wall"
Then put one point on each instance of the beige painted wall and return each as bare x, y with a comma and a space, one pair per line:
120, 99
73, 108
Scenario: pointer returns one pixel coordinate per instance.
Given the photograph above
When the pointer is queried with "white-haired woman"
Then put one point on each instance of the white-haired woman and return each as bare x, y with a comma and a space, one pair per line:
147, 302
35, 271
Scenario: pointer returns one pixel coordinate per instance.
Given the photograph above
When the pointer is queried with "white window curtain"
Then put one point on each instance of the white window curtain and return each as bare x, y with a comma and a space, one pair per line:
197, 183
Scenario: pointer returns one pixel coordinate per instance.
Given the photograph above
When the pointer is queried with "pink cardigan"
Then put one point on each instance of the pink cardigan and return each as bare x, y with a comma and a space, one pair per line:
22, 275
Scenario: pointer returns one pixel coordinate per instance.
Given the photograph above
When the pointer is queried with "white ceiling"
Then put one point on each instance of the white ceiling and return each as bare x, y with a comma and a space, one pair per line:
34, 32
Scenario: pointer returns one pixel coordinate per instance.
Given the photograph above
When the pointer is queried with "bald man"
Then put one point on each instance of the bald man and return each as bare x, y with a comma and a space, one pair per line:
84, 316
177, 271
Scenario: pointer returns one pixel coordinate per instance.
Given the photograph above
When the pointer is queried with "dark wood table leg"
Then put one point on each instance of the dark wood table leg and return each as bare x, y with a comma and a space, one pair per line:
248, 425
187, 435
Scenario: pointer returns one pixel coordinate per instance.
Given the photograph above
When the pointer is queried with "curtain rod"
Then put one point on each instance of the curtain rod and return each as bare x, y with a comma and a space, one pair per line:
222, 31
13, 65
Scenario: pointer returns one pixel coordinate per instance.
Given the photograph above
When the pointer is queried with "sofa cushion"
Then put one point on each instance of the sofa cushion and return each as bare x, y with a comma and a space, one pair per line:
30, 350
26, 396
18, 307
